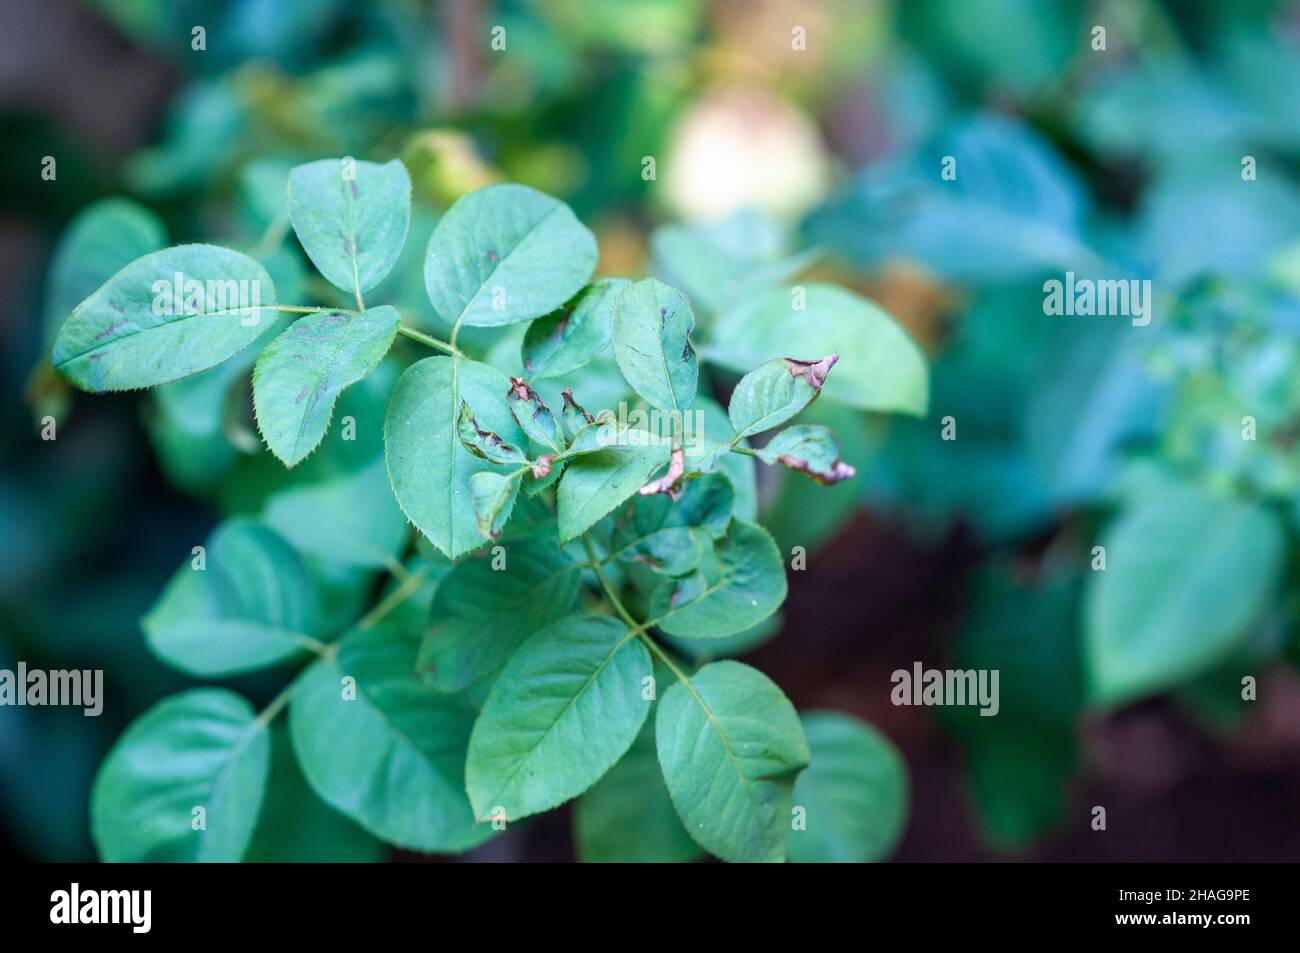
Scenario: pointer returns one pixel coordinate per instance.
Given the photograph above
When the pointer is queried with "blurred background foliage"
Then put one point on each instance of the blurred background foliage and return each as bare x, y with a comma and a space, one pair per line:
771, 163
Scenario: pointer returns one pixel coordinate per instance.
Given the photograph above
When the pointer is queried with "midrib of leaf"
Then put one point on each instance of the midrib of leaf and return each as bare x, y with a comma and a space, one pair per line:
663, 354
726, 745
452, 440
222, 782
165, 324
275, 594
292, 635
501, 260
352, 239
521, 762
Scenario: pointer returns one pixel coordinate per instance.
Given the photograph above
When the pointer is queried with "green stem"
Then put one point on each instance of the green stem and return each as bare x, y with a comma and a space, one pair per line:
273, 236
429, 341
673, 667
639, 628
395, 568
605, 585
267, 714
299, 309
404, 590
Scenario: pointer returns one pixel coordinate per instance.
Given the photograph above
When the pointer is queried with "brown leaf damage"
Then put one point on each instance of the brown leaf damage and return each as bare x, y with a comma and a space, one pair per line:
668, 482
814, 372
837, 471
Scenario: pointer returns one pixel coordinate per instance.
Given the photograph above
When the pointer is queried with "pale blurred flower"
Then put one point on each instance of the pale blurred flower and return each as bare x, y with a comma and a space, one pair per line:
743, 148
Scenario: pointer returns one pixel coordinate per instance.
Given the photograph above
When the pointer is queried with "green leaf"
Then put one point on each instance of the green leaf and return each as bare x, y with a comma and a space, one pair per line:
740, 586
428, 466
301, 373
702, 651
200, 749
730, 745
574, 415
566, 707
297, 827
672, 551
492, 496
350, 519
351, 218
1186, 575
504, 254
854, 793
774, 392
103, 238
717, 262
595, 483
484, 443
575, 335
485, 609
740, 470
1019, 766
168, 314
882, 368
627, 816
1015, 210
651, 336
382, 747
534, 417
809, 449
253, 606
706, 502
